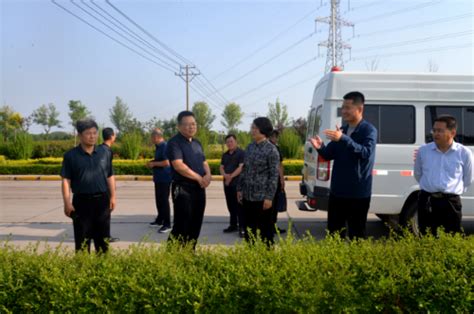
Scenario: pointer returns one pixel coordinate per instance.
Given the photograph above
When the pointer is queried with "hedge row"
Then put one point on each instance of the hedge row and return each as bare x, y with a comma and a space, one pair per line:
407, 275
44, 149
52, 166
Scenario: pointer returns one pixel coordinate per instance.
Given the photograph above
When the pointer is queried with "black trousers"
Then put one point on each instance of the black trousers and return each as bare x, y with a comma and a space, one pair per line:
258, 220
91, 221
348, 214
189, 202
234, 207
162, 200
435, 212
274, 208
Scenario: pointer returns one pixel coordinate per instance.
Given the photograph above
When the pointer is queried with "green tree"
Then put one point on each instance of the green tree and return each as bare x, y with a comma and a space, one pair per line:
300, 125
77, 111
47, 116
278, 115
10, 122
232, 117
203, 115
121, 116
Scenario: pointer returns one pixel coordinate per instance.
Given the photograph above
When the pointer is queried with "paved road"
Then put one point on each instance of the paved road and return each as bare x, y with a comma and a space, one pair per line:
31, 211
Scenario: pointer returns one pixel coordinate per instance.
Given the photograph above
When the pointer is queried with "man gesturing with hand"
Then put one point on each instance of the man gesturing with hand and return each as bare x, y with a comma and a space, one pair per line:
352, 148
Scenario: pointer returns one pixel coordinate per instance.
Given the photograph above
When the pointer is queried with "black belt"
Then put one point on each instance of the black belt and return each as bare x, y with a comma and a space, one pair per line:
90, 196
440, 194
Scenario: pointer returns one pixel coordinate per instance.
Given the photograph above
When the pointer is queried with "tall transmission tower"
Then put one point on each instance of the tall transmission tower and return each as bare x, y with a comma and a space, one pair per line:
334, 44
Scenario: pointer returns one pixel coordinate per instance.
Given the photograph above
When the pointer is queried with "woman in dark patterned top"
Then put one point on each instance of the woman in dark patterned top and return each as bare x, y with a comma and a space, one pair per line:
258, 182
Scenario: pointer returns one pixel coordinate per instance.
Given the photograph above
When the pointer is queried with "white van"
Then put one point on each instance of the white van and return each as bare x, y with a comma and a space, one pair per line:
402, 107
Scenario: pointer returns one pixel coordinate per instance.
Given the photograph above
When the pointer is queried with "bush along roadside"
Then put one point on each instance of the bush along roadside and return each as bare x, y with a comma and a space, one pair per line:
428, 275
52, 166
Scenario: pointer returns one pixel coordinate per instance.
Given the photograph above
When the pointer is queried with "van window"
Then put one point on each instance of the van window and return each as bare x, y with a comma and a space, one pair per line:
464, 116
309, 132
317, 119
395, 123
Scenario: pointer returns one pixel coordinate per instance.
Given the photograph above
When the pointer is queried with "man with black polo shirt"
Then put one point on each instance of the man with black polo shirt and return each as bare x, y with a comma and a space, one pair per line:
87, 171
232, 163
109, 137
191, 176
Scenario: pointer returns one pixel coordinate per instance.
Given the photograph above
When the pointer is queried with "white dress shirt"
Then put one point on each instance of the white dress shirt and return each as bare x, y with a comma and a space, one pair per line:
449, 172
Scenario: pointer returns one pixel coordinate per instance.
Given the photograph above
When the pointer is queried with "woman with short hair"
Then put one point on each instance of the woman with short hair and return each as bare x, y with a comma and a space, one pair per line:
258, 183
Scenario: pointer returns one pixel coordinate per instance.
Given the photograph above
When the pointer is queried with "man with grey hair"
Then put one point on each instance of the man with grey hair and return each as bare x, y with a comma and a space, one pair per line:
87, 171
162, 179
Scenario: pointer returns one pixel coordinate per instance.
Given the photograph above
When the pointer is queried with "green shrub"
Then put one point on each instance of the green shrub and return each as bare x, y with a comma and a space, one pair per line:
21, 146
244, 139
290, 143
48, 166
131, 145
405, 275
43, 149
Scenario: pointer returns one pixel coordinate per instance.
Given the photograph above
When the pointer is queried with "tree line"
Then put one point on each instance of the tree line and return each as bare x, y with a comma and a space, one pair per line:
123, 120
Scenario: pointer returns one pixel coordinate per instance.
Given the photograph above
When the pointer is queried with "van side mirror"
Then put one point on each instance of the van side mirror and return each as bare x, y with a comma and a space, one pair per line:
310, 150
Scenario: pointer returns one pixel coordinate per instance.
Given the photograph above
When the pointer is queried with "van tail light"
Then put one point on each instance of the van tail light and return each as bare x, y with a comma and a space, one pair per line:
312, 202
323, 172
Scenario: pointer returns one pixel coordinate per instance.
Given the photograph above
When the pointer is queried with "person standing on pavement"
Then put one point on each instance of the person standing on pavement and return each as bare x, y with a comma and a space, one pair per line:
231, 166
191, 176
87, 171
352, 148
258, 182
162, 179
281, 181
109, 137
443, 168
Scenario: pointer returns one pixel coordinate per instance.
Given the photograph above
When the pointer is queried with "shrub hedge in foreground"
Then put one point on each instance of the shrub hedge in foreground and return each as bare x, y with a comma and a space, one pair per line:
305, 276
52, 166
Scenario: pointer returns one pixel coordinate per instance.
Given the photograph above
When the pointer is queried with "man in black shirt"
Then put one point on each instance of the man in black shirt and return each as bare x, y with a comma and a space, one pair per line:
87, 171
191, 175
232, 163
109, 137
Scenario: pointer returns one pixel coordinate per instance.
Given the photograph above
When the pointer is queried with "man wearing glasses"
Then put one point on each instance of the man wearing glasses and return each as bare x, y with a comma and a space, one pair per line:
191, 175
443, 169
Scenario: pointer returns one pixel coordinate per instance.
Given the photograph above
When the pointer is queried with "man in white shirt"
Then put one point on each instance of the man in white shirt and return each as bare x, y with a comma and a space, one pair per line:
443, 168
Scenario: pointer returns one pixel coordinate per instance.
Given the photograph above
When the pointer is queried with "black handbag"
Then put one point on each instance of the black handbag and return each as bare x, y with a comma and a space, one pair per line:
280, 205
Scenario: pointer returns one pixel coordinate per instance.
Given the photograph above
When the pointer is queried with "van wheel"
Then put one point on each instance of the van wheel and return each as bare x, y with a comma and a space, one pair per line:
409, 216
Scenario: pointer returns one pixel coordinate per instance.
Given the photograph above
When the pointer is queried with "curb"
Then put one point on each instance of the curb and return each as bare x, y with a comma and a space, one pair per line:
118, 178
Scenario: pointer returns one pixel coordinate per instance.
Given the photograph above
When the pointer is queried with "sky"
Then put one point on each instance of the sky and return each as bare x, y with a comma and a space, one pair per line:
253, 52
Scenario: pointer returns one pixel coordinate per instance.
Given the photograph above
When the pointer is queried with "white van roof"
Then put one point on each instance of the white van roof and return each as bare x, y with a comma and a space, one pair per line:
423, 87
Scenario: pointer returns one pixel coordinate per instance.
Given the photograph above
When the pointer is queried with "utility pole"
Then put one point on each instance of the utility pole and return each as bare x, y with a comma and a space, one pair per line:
334, 44
187, 77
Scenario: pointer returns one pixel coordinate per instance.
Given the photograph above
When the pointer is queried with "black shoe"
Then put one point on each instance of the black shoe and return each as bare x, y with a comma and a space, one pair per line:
281, 231
242, 233
156, 224
164, 229
112, 239
231, 229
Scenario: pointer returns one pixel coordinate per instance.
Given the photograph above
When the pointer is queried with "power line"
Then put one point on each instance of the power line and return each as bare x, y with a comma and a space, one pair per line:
215, 89
401, 11
150, 35
121, 35
276, 77
420, 40
129, 31
432, 50
364, 6
312, 77
266, 44
300, 41
110, 37
432, 22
